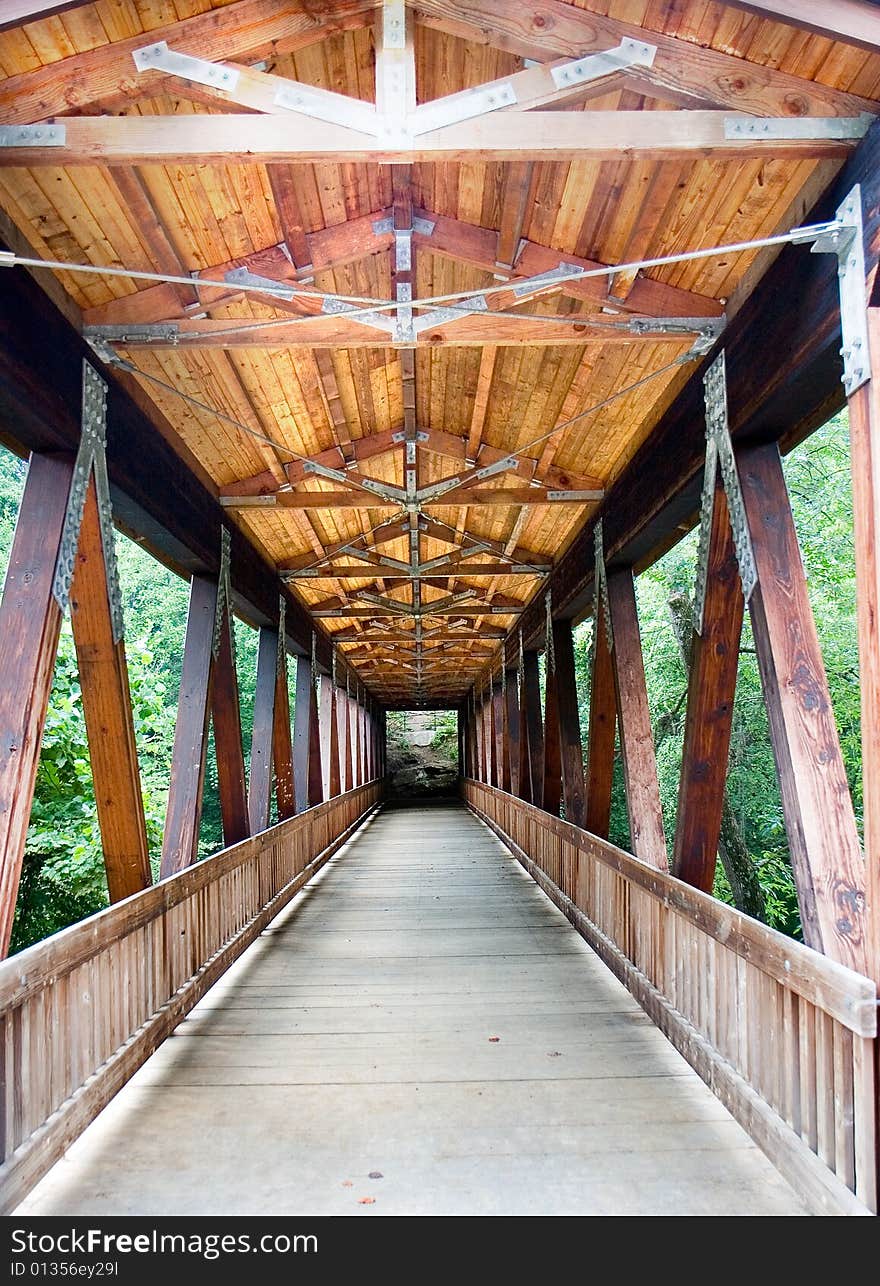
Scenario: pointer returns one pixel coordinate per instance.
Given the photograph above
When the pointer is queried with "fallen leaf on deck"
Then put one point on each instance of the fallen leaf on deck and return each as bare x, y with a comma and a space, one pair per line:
366, 1201
493, 1040
375, 1174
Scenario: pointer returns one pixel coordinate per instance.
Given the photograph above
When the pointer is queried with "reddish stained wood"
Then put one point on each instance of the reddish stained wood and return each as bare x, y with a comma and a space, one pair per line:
103, 676
348, 759
502, 748
711, 691
260, 780
603, 727
182, 816
302, 708
532, 745
226, 713
825, 852
570, 748
552, 797
325, 722
30, 622
864, 428
282, 748
513, 731
636, 737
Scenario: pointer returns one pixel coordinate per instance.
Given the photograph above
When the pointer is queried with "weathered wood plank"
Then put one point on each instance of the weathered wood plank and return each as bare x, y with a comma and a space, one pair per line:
226, 715
260, 778
634, 721
603, 727
103, 676
570, 749
30, 623
714, 655
826, 856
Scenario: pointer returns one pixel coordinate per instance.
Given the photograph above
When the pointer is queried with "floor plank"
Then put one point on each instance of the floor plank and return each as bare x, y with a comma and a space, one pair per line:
424, 1012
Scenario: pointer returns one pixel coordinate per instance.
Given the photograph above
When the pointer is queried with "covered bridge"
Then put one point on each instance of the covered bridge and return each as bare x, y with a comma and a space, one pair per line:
410, 334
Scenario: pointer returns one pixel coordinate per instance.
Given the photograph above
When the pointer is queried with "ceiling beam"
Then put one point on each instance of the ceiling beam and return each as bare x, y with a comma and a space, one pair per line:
354, 572
106, 77
855, 22
783, 377
540, 136
679, 67
490, 496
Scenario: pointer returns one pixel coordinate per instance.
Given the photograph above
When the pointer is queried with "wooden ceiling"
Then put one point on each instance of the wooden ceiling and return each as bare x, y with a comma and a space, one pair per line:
202, 181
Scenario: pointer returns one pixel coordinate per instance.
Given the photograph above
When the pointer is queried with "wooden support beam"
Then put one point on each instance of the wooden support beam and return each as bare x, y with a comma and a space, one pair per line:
571, 755
342, 740
552, 747
864, 429
30, 624
106, 75
531, 770
603, 727
513, 732
634, 719
325, 725
680, 66
825, 852
502, 136
502, 744
106, 701
260, 780
714, 654
226, 715
282, 747
184, 811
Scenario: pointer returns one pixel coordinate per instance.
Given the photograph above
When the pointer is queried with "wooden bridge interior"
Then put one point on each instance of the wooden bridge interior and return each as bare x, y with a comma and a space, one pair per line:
387, 326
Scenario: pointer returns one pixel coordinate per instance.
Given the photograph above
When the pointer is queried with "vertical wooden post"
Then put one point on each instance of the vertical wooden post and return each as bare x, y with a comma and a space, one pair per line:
552, 796
498, 721
325, 721
864, 429
513, 732
347, 726
314, 768
603, 727
335, 742
103, 676
634, 718
825, 852
504, 722
532, 767
714, 655
30, 623
226, 713
184, 811
302, 705
282, 749
260, 781
488, 740
571, 753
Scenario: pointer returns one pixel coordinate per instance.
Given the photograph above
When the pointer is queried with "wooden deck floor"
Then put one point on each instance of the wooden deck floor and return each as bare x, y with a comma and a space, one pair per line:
421, 1013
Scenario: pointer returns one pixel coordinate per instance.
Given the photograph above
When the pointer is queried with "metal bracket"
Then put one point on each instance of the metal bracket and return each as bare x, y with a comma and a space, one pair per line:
159, 57
242, 277
847, 242
629, 53
394, 24
797, 127
424, 227
575, 496
707, 505
224, 594
530, 284
717, 429
54, 135
146, 333
324, 105
705, 328
464, 106
91, 458
600, 587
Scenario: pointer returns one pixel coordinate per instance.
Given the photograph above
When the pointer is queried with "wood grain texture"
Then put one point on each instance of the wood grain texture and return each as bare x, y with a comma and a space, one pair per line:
30, 623
260, 772
570, 749
106, 700
183, 814
634, 721
226, 717
826, 855
714, 656
282, 746
532, 757
602, 734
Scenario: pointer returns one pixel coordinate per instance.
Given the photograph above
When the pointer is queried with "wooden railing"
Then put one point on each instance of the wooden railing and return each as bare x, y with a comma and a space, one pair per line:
784, 1036
80, 1012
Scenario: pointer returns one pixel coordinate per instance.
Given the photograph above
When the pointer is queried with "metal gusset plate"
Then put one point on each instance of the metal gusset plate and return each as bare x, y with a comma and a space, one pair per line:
717, 429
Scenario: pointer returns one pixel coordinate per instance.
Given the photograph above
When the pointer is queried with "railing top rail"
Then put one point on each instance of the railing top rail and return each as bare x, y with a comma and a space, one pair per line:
847, 996
23, 974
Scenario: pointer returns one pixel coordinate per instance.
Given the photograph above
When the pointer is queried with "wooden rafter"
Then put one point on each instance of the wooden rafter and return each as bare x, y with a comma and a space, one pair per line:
854, 21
